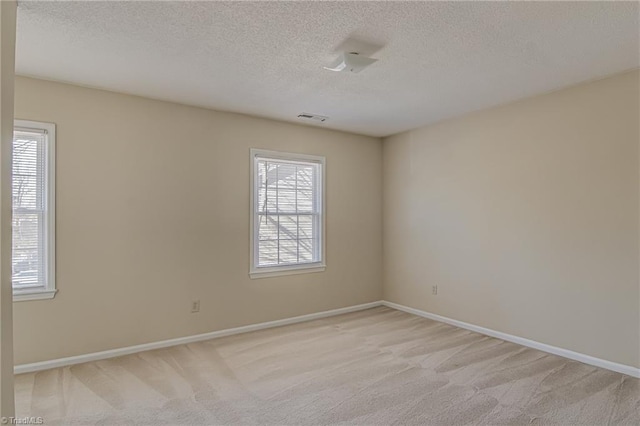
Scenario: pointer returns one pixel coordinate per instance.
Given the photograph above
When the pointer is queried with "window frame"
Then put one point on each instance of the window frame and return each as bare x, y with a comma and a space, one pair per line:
49, 290
256, 271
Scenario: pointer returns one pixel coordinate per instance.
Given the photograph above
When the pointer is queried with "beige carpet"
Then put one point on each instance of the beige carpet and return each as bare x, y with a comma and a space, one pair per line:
375, 367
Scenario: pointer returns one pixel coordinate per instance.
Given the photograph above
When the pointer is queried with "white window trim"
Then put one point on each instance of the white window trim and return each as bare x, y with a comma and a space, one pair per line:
50, 290
274, 271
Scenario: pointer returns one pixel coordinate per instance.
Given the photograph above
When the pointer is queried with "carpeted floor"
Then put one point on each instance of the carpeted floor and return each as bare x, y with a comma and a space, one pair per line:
375, 367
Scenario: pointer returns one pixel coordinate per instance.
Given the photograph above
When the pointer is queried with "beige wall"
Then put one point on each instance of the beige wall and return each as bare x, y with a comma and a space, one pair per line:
525, 216
153, 212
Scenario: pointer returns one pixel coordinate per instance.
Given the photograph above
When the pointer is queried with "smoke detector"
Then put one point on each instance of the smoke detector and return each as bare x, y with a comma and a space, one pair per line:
350, 62
313, 117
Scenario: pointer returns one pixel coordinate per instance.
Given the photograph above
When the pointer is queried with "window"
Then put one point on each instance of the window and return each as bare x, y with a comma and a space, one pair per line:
33, 201
287, 213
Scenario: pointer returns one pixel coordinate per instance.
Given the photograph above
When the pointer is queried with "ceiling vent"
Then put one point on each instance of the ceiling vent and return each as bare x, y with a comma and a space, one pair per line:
312, 117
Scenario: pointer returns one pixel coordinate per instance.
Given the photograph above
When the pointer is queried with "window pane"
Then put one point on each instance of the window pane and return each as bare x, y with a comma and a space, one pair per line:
24, 194
262, 174
286, 201
305, 201
27, 265
305, 226
267, 253
288, 227
286, 176
306, 250
271, 171
305, 177
268, 227
28, 167
288, 251
267, 200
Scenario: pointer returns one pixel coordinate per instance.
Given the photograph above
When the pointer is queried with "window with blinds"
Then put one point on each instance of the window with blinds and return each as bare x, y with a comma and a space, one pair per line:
287, 212
32, 202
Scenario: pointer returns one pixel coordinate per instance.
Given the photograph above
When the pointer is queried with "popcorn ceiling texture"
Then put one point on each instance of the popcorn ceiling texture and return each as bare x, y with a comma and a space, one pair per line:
440, 59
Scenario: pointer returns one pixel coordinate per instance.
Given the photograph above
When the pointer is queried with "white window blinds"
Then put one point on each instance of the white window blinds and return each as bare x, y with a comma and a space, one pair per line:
287, 212
30, 209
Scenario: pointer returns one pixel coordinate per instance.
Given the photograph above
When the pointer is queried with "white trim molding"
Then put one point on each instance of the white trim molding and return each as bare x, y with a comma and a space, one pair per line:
112, 353
46, 290
96, 356
566, 353
293, 270
21, 296
318, 213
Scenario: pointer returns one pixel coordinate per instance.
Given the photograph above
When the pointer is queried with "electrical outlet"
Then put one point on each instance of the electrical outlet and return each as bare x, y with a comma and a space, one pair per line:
195, 306
434, 289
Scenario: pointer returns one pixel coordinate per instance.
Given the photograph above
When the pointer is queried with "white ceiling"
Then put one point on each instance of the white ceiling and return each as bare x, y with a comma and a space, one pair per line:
439, 59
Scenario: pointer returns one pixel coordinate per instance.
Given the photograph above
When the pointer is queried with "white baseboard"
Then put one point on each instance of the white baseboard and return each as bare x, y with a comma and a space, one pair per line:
587, 359
95, 356
577, 356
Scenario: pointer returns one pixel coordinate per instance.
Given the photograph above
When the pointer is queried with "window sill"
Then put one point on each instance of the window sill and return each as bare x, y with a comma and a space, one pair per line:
292, 270
24, 295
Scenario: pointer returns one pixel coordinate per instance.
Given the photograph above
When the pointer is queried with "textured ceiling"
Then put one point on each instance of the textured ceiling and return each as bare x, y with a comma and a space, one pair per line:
440, 59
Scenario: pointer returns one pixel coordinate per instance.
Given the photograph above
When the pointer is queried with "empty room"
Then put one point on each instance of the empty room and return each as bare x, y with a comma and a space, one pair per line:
319, 213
